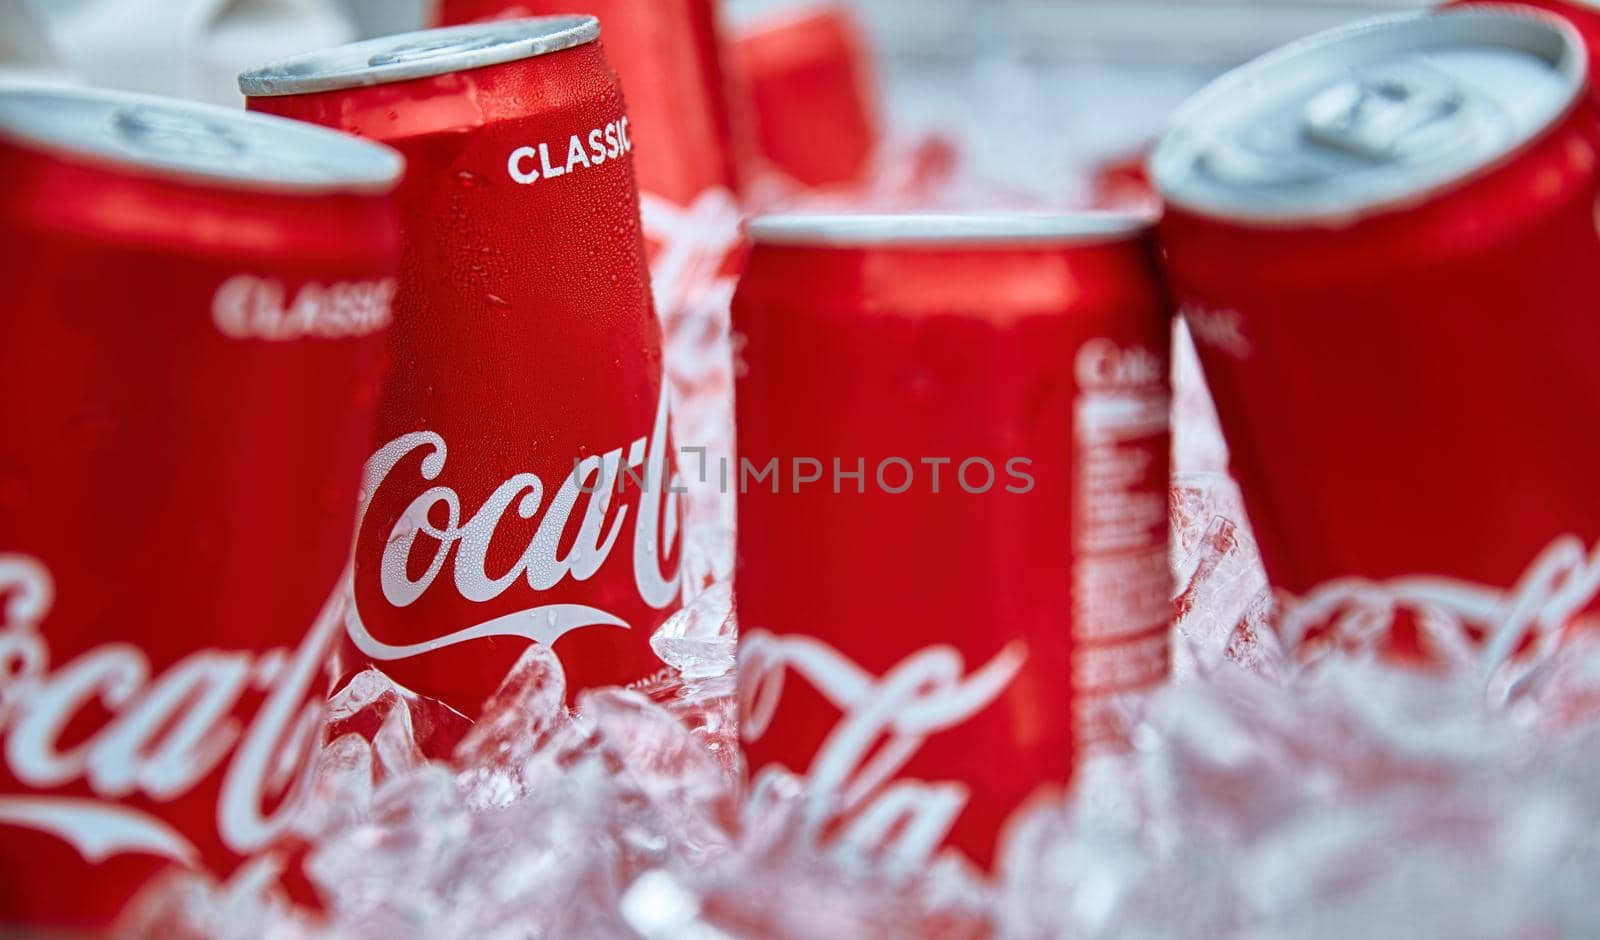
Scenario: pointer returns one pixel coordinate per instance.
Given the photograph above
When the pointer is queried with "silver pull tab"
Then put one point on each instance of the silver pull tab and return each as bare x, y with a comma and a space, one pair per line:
1390, 113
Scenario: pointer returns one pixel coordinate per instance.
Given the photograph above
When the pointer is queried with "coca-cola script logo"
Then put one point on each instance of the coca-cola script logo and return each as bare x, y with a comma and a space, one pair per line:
885, 722
541, 566
1522, 625
167, 733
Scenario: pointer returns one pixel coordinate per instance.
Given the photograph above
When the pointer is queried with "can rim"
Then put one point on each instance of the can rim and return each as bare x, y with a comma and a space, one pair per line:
861, 230
419, 54
1176, 147
342, 163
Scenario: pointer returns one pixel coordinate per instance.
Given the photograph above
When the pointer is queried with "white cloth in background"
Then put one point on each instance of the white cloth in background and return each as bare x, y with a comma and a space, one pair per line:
386, 17
186, 48
24, 52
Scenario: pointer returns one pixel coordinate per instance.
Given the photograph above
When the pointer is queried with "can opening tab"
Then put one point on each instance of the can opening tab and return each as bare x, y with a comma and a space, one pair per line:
1393, 113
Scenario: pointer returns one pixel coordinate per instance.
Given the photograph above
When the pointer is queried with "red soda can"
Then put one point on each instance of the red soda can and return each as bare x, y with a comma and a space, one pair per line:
667, 53
189, 363
952, 547
522, 486
1383, 240
810, 95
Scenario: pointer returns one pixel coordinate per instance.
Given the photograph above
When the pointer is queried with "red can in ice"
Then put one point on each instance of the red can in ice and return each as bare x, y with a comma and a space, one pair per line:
521, 489
189, 358
668, 56
1384, 241
808, 91
952, 475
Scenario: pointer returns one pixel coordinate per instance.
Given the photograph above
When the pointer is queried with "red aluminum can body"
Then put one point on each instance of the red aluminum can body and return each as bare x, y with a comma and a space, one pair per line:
189, 359
522, 486
964, 625
668, 56
1402, 386
808, 87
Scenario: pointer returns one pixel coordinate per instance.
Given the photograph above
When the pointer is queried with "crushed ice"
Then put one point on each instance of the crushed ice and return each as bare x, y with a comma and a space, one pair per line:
1256, 800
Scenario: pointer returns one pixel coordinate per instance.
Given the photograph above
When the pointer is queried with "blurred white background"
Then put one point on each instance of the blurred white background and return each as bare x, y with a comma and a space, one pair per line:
1036, 91
1204, 31
1040, 91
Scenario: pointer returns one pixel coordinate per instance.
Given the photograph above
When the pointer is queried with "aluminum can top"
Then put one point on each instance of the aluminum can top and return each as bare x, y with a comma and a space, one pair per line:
848, 230
189, 142
423, 54
1377, 115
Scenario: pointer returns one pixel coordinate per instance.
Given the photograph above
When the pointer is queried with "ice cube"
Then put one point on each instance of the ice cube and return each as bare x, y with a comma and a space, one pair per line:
413, 727
699, 641
517, 722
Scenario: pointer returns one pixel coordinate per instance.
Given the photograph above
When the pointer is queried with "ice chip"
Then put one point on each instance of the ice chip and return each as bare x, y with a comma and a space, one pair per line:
341, 787
390, 864
1222, 599
517, 721
1562, 696
395, 744
690, 795
189, 905
799, 896
1197, 441
699, 641
708, 542
709, 708
371, 701
658, 907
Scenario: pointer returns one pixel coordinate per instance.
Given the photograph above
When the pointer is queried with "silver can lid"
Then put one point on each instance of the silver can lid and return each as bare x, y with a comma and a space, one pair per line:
193, 142
421, 54
847, 230
1379, 114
